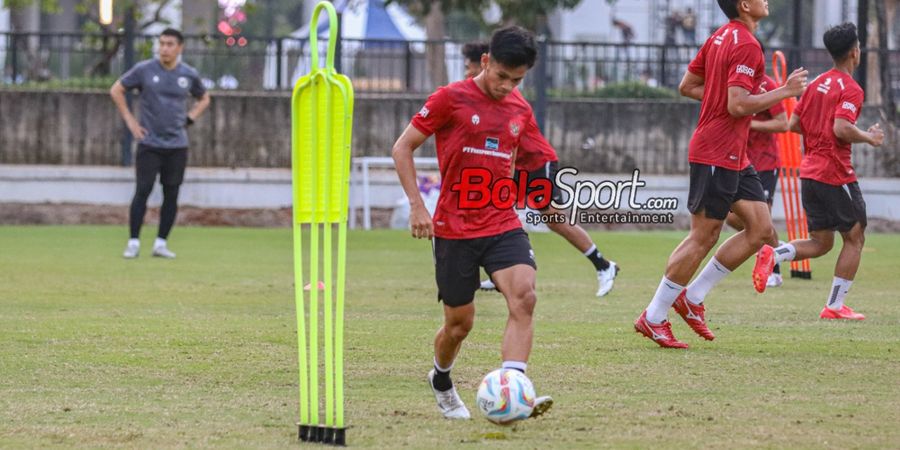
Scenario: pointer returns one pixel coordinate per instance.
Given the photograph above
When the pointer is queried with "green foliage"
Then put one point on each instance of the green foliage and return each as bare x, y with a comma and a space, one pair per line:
626, 89
103, 82
47, 6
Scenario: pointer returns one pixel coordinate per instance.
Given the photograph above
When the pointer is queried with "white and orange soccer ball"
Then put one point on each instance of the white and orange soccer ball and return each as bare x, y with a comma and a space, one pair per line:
505, 396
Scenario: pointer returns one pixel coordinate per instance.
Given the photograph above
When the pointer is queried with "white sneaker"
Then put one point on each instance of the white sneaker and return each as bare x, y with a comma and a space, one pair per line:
163, 252
448, 402
606, 278
132, 249
775, 280
541, 406
488, 285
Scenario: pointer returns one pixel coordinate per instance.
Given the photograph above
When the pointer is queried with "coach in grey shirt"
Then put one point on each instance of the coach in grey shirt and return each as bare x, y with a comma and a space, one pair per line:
165, 85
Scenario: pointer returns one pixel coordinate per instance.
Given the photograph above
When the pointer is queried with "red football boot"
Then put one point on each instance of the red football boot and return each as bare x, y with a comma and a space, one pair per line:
694, 315
844, 313
661, 334
765, 263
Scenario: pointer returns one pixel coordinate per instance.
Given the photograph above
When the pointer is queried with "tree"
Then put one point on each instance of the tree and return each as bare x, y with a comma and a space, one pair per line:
531, 14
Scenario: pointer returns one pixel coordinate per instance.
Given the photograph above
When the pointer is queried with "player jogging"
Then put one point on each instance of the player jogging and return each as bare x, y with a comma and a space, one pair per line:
826, 117
537, 157
762, 150
478, 123
723, 76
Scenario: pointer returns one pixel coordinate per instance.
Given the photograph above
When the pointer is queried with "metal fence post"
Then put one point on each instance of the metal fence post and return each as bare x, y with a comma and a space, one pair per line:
338, 66
408, 67
540, 85
279, 47
128, 63
14, 54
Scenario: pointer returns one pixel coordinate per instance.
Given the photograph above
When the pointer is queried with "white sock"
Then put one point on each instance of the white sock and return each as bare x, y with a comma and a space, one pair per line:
712, 274
134, 242
441, 369
785, 252
515, 365
159, 242
839, 289
590, 250
663, 299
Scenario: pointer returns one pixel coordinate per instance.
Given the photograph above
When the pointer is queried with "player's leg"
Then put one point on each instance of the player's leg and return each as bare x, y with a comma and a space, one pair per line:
711, 193
769, 179
510, 261
171, 176
146, 166
750, 205
850, 214
844, 273
734, 221
581, 240
456, 273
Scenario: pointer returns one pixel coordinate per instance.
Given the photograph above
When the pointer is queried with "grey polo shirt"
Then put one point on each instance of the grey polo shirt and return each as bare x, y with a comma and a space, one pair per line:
164, 95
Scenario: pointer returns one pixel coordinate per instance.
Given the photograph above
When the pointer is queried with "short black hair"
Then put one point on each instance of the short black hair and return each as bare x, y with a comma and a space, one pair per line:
174, 33
840, 40
513, 46
472, 51
729, 7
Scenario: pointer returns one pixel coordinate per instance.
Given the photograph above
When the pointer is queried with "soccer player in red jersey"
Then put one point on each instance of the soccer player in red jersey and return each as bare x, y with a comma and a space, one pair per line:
478, 124
826, 117
762, 150
723, 76
538, 158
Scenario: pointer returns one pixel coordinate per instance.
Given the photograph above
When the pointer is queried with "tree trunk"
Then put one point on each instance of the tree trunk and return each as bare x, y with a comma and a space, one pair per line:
23, 20
434, 52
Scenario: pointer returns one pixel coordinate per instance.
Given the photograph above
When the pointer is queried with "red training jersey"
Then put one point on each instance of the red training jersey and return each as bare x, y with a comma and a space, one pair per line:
534, 150
762, 148
472, 130
833, 95
731, 57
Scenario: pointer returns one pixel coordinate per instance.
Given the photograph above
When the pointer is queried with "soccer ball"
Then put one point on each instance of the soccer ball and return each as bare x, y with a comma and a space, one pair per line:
505, 396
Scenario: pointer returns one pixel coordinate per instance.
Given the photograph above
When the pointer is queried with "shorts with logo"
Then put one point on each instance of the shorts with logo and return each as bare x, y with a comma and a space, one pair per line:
714, 189
456, 262
769, 180
549, 171
830, 207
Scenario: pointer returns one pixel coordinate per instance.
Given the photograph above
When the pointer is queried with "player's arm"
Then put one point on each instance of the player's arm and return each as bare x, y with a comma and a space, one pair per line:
199, 107
794, 124
777, 124
848, 132
407, 143
741, 103
692, 86
117, 92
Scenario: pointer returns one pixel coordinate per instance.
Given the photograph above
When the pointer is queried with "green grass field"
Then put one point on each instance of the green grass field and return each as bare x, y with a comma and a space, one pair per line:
201, 351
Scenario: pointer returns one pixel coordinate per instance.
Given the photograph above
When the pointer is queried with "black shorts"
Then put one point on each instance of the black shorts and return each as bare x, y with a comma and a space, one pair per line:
169, 163
769, 180
548, 170
456, 262
714, 189
831, 207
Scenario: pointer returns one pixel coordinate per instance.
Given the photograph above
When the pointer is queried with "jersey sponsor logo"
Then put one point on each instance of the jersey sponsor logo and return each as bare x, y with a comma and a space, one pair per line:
423, 113
849, 107
475, 119
742, 69
481, 151
492, 143
182, 82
